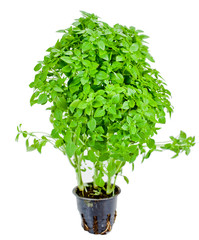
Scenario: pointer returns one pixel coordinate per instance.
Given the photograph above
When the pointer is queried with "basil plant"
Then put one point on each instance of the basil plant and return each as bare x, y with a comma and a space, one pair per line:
106, 102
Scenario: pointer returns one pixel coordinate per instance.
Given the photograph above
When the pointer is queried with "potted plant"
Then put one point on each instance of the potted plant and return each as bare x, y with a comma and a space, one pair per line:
106, 105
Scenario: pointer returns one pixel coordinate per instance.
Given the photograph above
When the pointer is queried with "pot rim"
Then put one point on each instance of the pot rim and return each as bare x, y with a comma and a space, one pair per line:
96, 199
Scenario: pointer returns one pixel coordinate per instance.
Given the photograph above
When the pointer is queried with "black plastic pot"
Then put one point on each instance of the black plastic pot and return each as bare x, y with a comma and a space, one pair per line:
98, 215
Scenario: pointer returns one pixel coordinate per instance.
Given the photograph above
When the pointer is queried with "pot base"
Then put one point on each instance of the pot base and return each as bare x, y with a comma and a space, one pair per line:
95, 224
97, 215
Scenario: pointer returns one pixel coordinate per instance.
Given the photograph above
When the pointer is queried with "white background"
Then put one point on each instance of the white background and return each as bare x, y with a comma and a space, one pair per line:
161, 200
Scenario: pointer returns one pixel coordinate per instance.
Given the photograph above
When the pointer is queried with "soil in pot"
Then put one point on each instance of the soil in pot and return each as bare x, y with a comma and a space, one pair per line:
100, 193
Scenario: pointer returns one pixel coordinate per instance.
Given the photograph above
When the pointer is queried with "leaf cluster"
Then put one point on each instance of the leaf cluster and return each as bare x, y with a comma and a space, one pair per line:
105, 98
37, 143
180, 144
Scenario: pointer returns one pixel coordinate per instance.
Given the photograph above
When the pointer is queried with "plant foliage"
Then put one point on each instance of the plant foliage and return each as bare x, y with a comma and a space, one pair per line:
106, 101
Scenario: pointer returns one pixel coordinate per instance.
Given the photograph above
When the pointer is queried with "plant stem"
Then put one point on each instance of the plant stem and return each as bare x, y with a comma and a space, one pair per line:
95, 176
113, 186
109, 188
78, 173
70, 161
46, 134
116, 174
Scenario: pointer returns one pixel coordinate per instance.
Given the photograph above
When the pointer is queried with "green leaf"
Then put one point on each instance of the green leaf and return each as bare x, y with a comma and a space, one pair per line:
27, 144
66, 69
86, 63
19, 127
97, 104
162, 120
31, 147
99, 112
86, 88
91, 156
101, 75
77, 52
175, 155
142, 36
75, 103
99, 101
88, 110
58, 89
104, 156
132, 148
61, 103
149, 57
58, 114
118, 77
133, 166
112, 109
68, 136
183, 135
134, 47
101, 44
100, 98
32, 99
38, 67
82, 105
125, 127
116, 98
78, 113
73, 124
187, 151
129, 120
67, 59
85, 14
116, 66
125, 105
99, 180
59, 143
133, 129
151, 143
69, 53
100, 129
25, 134
120, 58
92, 124
131, 91
42, 98
126, 179
17, 137
131, 103
134, 71
167, 146
104, 55
54, 133
146, 156
111, 168
70, 149
86, 46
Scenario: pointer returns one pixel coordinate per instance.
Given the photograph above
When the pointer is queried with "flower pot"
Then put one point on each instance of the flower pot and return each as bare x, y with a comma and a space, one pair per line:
98, 215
